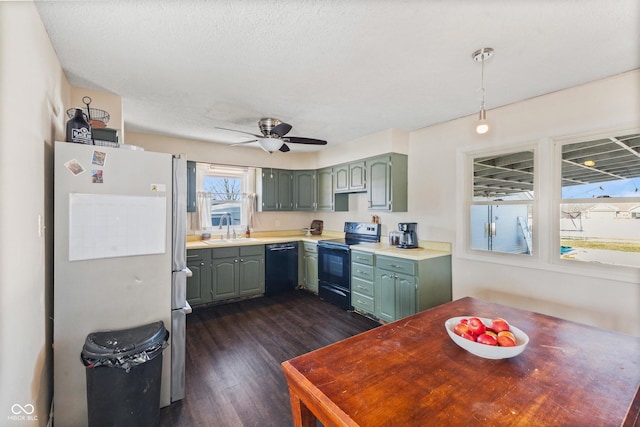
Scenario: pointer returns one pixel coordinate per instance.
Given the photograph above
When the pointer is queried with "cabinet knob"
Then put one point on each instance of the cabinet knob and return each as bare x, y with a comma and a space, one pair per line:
241, 260
202, 263
235, 260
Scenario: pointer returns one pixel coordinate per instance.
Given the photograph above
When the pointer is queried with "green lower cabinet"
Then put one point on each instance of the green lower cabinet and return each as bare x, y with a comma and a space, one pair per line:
225, 273
225, 278
199, 284
404, 287
251, 275
310, 266
362, 286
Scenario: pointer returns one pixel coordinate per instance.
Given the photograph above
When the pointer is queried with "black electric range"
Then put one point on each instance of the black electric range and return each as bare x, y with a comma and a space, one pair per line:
334, 262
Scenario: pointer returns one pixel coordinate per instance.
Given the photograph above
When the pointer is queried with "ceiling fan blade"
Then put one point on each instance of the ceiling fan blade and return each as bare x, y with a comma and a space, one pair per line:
285, 148
300, 140
281, 130
243, 142
240, 131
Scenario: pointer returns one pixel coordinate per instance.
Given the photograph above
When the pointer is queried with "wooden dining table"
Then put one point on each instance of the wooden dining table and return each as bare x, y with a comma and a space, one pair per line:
410, 373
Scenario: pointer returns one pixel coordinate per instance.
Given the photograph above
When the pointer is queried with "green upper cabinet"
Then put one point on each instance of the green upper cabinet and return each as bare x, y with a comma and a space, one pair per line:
191, 186
304, 190
327, 199
387, 183
350, 178
276, 190
357, 176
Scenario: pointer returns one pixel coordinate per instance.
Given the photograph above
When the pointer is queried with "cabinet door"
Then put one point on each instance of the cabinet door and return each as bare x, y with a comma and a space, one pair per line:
325, 189
225, 278
199, 284
385, 291
341, 178
311, 271
251, 275
191, 186
285, 190
405, 295
304, 190
357, 176
378, 189
269, 189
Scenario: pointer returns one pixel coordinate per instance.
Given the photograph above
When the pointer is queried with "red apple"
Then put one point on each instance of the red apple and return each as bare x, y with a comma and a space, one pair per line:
499, 325
465, 321
487, 339
506, 339
469, 336
490, 332
460, 329
476, 326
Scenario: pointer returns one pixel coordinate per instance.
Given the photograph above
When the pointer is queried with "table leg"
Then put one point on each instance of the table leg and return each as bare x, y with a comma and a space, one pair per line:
302, 416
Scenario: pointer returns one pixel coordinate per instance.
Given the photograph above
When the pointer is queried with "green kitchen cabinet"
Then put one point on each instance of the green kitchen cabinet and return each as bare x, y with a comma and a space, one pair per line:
199, 284
404, 287
387, 183
328, 200
350, 177
310, 266
191, 186
237, 271
305, 190
276, 190
362, 281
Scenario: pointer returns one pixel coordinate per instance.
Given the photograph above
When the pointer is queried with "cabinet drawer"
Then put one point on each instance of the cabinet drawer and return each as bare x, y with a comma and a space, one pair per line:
363, 271
251, 250
362, 302
397, 265
311, 247
362, 257
362, 286
198, 254
225, 252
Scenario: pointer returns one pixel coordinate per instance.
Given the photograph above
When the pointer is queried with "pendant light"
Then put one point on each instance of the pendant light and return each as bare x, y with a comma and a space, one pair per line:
481, 55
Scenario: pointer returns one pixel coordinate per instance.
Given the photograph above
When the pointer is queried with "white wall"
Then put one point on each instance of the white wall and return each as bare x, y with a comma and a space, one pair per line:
574, 293
34, 93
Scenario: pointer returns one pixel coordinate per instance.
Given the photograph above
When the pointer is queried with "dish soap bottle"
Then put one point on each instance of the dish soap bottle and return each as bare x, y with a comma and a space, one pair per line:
247, 234
79, 130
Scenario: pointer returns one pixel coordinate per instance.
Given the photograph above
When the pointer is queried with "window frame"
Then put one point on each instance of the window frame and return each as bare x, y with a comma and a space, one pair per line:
546, 218
466, 157
610, 271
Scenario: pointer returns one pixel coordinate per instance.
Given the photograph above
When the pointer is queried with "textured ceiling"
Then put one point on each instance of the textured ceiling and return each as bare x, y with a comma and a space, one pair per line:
335, 70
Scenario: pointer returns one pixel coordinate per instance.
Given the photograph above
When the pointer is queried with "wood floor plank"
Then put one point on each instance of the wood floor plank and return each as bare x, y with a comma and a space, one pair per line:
234, 352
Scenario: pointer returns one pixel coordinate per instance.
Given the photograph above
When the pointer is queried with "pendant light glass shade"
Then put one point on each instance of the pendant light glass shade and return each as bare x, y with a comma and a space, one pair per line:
482, 126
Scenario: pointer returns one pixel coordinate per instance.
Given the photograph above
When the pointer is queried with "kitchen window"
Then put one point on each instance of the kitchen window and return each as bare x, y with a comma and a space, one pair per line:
225, 195
599, 206
501, 203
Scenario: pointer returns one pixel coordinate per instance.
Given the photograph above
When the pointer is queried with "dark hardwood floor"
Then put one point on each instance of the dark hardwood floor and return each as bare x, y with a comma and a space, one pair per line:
234, 352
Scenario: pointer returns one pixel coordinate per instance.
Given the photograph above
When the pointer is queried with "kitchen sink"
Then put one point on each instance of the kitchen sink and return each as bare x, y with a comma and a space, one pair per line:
227, 241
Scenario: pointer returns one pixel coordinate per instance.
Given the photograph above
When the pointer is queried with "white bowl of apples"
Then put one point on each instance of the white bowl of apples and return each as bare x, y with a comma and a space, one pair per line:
488, 338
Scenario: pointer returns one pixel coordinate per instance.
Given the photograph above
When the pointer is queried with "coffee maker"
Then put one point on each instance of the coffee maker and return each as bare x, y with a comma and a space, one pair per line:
408, 235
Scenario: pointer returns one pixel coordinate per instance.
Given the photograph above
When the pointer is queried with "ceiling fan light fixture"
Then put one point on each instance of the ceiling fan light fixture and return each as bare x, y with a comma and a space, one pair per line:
270, 144
481, 55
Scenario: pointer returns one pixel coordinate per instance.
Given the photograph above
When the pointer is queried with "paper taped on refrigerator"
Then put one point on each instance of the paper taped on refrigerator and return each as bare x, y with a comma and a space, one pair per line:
107, 226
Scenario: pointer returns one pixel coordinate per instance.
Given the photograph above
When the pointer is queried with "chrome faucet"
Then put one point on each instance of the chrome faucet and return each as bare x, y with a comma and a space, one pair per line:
228, 218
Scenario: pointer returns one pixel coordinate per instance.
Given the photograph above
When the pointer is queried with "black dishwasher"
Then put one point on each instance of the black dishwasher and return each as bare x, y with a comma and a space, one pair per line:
281, 269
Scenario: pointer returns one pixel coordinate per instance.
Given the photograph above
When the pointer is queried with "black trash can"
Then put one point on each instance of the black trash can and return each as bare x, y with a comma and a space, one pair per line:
124, 374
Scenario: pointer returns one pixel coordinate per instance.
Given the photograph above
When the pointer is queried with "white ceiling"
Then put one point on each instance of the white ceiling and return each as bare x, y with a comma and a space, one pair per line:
335, 70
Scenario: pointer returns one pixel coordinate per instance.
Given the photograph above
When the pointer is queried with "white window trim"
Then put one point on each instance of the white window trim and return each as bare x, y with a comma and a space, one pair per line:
547, 199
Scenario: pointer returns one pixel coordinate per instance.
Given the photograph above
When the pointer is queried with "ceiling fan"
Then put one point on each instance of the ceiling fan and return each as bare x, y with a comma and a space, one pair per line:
273, 136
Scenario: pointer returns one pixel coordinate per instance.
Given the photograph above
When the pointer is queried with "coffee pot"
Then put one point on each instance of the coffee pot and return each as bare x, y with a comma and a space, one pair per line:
408, 235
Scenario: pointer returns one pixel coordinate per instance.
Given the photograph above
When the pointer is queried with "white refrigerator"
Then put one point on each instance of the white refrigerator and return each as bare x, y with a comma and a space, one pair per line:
119, 260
